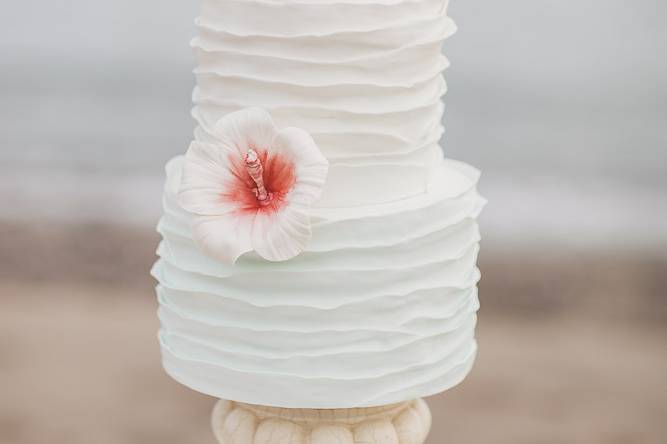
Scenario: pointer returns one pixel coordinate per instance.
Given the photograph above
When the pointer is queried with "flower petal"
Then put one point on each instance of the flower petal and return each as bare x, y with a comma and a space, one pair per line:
224, 237
311, 167
281, 236
206, 176
244, 129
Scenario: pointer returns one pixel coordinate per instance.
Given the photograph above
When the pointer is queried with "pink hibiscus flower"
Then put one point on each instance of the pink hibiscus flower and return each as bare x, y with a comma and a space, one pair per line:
252, 189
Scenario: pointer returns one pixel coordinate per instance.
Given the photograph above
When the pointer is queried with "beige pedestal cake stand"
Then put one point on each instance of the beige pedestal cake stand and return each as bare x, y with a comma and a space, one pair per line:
404, 423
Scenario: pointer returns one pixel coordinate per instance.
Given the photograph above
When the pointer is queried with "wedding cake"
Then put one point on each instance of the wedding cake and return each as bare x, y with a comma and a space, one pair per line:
318, 249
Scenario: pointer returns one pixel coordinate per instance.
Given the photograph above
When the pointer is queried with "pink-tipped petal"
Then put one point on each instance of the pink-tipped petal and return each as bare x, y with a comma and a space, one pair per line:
247, 128
204, 180
311, 167
281, 236
225, 238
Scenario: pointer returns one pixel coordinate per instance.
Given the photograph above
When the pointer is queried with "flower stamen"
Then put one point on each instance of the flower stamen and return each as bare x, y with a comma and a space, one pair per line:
256, 172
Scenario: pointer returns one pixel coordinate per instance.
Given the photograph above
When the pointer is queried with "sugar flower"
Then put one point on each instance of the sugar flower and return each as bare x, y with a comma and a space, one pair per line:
251, 190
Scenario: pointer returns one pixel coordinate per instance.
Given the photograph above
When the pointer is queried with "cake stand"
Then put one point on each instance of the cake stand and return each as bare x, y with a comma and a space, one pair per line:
402, 423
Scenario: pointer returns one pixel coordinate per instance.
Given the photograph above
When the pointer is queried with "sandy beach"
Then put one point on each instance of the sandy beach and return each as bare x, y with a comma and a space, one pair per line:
572, 349
81, 364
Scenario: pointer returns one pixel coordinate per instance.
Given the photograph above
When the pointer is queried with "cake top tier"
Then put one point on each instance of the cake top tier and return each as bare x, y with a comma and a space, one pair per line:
362, 77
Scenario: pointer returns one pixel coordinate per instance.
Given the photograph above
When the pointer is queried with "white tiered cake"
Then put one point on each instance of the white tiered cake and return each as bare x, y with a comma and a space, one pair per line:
372, 298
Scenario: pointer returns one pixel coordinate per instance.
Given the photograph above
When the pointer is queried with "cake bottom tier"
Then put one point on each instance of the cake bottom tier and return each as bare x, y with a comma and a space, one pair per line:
381, 307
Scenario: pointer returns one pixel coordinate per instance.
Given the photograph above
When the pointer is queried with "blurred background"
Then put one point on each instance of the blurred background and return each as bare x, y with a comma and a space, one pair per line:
563, 106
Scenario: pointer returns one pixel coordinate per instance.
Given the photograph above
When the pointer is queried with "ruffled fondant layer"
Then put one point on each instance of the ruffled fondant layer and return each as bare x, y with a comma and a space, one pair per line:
363, 77
380, 308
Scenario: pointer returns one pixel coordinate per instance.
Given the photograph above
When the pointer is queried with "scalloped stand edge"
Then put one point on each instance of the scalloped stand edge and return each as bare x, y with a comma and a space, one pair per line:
404, 423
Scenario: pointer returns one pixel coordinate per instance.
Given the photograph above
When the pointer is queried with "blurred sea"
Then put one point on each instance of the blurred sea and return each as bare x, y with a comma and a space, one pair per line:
563, 112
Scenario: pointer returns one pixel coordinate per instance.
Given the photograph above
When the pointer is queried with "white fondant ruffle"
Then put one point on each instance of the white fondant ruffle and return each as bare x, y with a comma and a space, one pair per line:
337, 48
409, 125
435, 304
413, 70
361, 98
297, 392
219, 346
341, 145
294, 19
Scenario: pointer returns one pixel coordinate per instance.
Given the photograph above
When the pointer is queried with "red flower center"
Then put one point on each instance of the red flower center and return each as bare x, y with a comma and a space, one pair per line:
278, 176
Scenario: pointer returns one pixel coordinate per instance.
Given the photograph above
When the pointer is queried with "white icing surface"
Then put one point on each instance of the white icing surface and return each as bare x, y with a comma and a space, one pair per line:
381, 307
